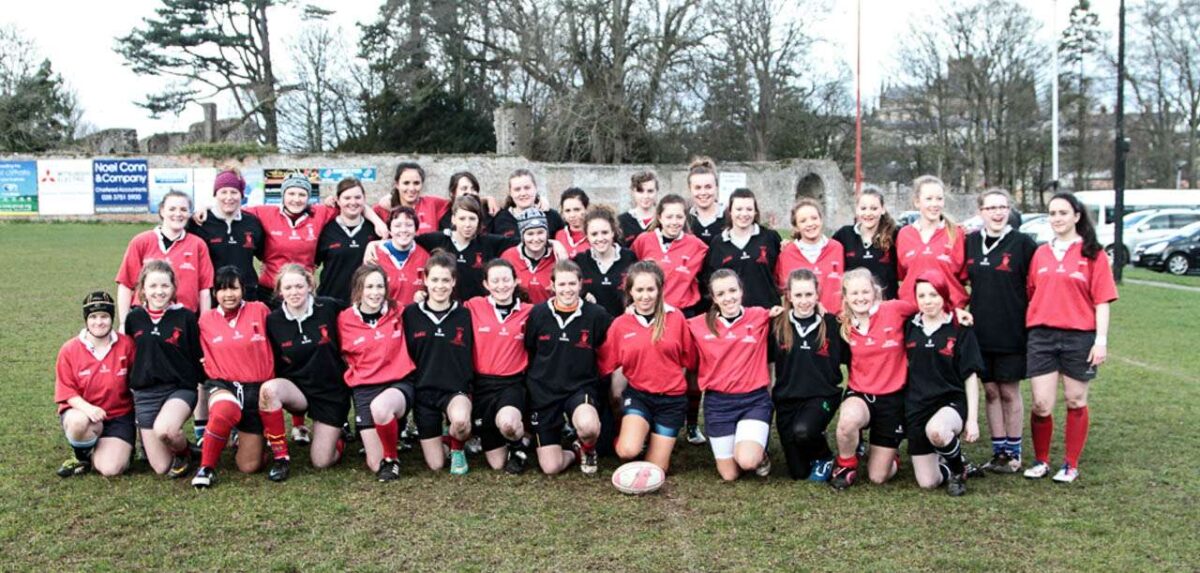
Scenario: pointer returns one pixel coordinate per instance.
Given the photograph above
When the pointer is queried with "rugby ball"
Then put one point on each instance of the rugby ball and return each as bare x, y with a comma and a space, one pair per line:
637, 478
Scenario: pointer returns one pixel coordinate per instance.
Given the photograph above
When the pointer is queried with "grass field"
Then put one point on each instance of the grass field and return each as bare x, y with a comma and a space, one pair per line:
1134, 508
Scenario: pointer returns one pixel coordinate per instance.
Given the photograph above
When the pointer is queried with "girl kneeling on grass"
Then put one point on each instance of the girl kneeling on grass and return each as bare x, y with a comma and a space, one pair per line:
807, 353
731, 343
378, 368
441, 341
237, 360
166, 369
91, 388
1071, 287
653, 348
309, 369
942, 399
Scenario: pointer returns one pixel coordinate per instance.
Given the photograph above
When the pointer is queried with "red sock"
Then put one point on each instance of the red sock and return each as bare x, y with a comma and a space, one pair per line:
850, 462
222, 417
387, 434
1075, 435
275, 433
455, 444
693, 407
587, 447
1043, 432
297, 420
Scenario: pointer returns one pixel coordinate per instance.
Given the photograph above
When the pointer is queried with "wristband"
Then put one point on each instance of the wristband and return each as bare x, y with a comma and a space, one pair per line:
1101, 341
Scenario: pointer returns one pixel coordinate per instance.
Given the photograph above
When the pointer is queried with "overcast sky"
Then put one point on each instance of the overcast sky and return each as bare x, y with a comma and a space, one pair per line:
78, 37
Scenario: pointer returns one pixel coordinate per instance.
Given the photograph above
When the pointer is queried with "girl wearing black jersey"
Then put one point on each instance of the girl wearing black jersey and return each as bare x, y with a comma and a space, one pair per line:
748, 249
341, 245
604, 265
234, 237
522, 194
465, 184
441, 342
807, 353
871, 241
942, 398
308, 362
706, 218
470, 246
643, 186
166, 369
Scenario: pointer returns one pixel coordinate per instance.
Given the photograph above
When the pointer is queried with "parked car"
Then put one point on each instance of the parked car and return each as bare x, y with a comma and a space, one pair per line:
1146, 226
1038, 229
907, 217
1178, 254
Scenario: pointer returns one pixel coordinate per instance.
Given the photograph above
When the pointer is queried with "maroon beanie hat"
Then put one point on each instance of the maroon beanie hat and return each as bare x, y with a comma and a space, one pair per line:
229, 179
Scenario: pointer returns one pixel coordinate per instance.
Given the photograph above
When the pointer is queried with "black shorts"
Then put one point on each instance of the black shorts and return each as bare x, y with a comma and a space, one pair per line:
887, 417
491, 394
120, 427
365, 394
665, 414
917, 415
247, 397
547, 423
429, 409
327, 404
149, 402
1003, 367
1063, 351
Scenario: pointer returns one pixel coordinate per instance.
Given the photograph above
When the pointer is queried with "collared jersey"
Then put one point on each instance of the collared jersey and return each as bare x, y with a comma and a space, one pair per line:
828, 268
307, 348
681, 263
505, 224
442, 348
917, 256
1064, 294
734, 359
102, 381
632, 226
881, 263
706, 232
999, 293
469, 260
188, 257
446, 223
288, 241
564, 354
534, 277
655, 367
608, 286
168, 351
940, 363
429, 209
236, 349
574, 242
233, 243
811, 368
340, 253
499, 342
374, 353
405, 279
755, 264
878, 364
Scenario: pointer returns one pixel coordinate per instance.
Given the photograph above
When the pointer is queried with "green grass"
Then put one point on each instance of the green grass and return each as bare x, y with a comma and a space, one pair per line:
1149, 275
1134, 507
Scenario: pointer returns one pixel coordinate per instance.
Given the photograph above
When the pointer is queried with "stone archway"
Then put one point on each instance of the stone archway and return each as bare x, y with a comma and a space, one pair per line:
812, 187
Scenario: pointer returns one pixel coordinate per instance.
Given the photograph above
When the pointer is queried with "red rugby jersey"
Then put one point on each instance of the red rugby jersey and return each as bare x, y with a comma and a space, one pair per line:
374, 354
878, 361
287, 241
915, 256
653, 367
237, 349
536, 278
430, 210
1064, 294
829, 268
574, 242
188, 257
404, 279
499, 344
734, 360
103, 382
680, 262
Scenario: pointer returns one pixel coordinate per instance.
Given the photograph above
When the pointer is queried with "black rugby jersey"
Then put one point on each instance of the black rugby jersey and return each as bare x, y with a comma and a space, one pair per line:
441, 347
168, 351
563, 353
998, 280
707, 232
340, 253
608, 287
631, 227
882, 264
754, 263
306, 348
808, 369
470, 260
234, 243
939, 363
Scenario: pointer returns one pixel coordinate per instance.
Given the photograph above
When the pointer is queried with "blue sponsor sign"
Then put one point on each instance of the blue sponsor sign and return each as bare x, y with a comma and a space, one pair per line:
18, 187
336, 174
121, 185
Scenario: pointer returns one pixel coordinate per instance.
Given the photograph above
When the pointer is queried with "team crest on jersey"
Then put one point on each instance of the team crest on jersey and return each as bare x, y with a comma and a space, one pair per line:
248, 240
458, 337
730, 258
1005, 263
176, 334
824, 349
948, 350
762, 255
478, 264
324, 335
944, 258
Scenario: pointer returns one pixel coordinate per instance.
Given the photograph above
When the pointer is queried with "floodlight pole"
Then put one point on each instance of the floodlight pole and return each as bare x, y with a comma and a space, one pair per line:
1121, 147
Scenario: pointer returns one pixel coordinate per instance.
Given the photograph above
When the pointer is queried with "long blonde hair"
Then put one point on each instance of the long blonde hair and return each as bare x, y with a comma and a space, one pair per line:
846, 319
710, 319
783, 322
651, 268
951, 226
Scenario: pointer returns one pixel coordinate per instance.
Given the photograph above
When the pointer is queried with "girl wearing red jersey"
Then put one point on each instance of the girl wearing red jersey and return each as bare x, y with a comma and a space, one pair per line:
932, 242
681, 257
643, 187
810, 249
401, 258
731, 344
1070, 289
652, 347
91, 388
871, 241
237, 360
377, 367
407, 191
498, 391
534, 258
169, 241
574, 204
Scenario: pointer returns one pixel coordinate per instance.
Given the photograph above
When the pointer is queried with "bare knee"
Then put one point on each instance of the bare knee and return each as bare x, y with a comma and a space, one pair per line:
992, 391
1042, 406
267, 396
250, 466
110, 468
747, 461
460, 429
929, 482
550, 467
730, 473
1075, 400
939, 437
511, 429
628, 450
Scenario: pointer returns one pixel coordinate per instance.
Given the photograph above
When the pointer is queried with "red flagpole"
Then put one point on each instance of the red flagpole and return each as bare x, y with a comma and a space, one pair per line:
858, 172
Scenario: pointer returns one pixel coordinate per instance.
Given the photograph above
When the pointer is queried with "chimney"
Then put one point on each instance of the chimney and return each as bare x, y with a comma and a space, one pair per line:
210, 122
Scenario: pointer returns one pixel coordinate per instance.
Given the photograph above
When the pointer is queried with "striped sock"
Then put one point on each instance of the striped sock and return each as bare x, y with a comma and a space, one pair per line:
952, 454
999, 445
1013, 445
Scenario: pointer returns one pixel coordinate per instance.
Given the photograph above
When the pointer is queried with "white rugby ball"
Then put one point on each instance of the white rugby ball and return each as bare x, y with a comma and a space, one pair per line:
637, 478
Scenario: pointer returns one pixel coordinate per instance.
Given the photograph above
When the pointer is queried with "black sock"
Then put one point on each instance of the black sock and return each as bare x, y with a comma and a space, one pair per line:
84, 454
952, 454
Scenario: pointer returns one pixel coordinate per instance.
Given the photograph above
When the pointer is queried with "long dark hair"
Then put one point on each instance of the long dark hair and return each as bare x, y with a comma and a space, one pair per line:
783, 322
886, 231
1083, 227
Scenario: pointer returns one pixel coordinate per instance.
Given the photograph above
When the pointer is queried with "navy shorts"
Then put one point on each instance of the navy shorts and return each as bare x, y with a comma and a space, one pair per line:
1059, 350
247, 397
120, 427
887, 417
149, 402
723, 411
429, 409
665, 414
916, 416
1003, 367
364, 395
490, 395
547, 423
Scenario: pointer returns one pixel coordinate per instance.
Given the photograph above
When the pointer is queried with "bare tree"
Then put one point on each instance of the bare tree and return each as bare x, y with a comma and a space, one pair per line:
324, 108
1167, 75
